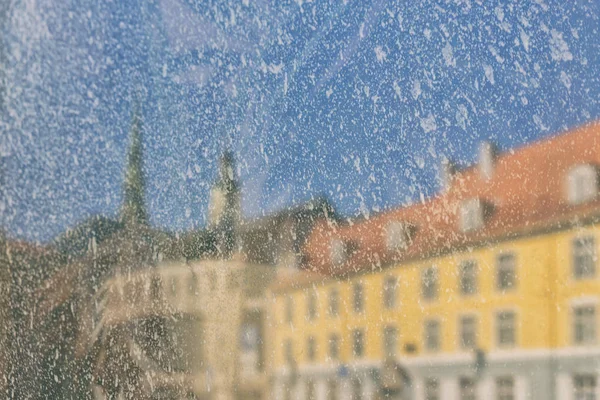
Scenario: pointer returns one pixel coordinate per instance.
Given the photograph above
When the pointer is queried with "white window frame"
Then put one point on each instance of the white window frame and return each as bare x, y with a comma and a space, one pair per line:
515, 329
502, 393
390, 293
289, 309
431, 388
397, 235
312, 305
428, 322
433, 280
358, 333
388, 331
311, 348
461, 331
500, 266
333, 302
578, 253
582, 183
472, 214
358, 297
463, 394
338, 252
585, 391
333, 342
584, 302
474, 277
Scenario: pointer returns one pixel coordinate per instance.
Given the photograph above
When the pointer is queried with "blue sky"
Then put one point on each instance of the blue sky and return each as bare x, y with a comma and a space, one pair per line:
354, 100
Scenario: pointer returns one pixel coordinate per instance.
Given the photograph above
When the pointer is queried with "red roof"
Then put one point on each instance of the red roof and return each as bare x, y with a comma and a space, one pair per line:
527, 193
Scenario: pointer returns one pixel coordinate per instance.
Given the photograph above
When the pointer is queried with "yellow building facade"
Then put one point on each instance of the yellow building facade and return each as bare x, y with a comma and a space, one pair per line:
504, 316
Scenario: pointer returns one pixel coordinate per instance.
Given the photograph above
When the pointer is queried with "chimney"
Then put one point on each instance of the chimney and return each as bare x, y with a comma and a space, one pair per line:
487, 159
447, 173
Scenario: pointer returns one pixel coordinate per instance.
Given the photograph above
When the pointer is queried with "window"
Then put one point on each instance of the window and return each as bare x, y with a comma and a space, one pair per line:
506, 278
429, 283
431, 333
584, 257
288, 352
582, 184
310, 390
584, 324
174, 284
468, 277
389, 292
505, 325
334, 347
332, 389
311, 348
432, 389
289, 310
358, 345
358, 297
194, 285
356, 389
471, 215
334, 302
339, 252
390, 341
505, 388
311, 305
585, 387
397, 236
468, 390
468, 332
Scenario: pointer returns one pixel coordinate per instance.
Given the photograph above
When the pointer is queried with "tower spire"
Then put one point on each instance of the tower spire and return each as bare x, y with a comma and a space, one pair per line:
134, 208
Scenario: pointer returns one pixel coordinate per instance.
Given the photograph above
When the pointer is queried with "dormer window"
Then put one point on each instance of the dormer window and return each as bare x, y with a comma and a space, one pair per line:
339, 252
472, 214
582, 183
397, 235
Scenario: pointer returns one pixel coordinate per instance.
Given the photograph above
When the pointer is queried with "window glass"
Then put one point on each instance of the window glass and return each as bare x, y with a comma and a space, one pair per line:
334, 301
432, 335
334, 347
311, 305
468, 332
432, 389
311, 348
505, 325
358, 300
585, 387
505, 388
429, 283
390, 286
468, 388
584, 257
584, 324
506, 275
358, 343
582, 183
390, 341
468, 277
289, 309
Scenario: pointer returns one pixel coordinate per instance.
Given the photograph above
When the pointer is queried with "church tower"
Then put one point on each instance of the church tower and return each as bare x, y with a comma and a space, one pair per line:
224, 206
133, 211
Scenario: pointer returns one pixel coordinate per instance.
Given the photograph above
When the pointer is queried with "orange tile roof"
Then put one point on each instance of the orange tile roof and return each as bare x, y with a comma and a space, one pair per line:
527, 192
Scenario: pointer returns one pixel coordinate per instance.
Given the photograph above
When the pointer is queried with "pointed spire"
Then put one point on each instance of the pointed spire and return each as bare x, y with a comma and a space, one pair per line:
133, 210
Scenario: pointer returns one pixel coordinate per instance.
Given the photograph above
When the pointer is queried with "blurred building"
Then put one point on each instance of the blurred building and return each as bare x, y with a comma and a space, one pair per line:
488, 290
136, 312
